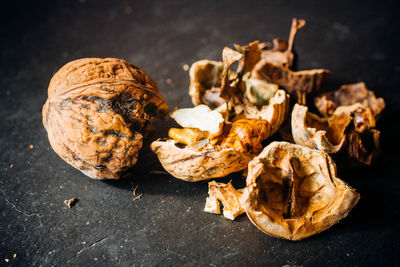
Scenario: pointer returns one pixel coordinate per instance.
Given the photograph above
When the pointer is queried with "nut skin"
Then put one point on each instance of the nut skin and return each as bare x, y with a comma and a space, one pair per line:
97, 112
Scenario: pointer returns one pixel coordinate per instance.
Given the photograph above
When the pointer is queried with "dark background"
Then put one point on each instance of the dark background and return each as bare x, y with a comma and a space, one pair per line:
167, 226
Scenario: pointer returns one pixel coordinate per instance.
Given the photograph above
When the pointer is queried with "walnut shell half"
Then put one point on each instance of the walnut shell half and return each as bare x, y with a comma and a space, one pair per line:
96, 113
198, 163
293, 192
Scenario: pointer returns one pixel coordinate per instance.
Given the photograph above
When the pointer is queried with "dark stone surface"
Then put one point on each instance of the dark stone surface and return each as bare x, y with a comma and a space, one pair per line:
167, 226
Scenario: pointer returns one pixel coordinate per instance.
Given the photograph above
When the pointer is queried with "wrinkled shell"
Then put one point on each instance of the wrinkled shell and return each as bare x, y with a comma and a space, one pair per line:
327, 135
349, 94
96, 112
199, 163
293, 192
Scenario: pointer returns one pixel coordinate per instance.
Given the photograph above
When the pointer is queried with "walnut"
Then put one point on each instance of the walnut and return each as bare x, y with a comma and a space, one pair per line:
293, 192
97, 112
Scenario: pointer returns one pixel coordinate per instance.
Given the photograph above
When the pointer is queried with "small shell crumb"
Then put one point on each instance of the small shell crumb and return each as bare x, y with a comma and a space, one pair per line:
70, 202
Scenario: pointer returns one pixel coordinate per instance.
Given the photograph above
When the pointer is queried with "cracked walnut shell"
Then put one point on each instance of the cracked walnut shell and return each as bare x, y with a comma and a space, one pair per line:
197, 163
97, 112
211, 148
293, 192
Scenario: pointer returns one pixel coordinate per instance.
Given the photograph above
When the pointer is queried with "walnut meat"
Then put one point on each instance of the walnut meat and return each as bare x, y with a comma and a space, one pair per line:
293, 192
97, 112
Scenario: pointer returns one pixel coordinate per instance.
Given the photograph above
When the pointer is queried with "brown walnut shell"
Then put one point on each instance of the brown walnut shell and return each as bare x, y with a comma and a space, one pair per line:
293, 192
305, 81
198, 163
205, 76
96, 113
349, 94
327, 135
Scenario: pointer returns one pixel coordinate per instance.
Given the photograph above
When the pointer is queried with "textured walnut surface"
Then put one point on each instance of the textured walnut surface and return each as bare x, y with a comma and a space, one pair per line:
195, 164
96, 114
293, 192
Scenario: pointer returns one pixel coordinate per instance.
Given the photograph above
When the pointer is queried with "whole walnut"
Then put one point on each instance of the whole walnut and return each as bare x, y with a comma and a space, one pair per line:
96, 114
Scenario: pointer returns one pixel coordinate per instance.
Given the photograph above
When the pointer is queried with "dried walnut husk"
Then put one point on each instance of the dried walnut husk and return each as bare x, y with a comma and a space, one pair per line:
293, 192
97, 112
349, 94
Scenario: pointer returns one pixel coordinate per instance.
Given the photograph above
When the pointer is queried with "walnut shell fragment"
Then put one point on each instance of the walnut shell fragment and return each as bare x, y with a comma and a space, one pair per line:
349, 94
350, 130
97, 112
275, 66
327, 135
205, 78
293, 192
198, 163
304, 81
275, 112
228, 195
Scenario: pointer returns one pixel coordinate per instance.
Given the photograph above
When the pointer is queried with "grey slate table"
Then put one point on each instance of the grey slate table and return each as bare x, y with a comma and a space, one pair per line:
167, 226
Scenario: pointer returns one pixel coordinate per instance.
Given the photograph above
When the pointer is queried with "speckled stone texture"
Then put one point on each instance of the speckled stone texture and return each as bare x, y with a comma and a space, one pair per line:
356, 41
